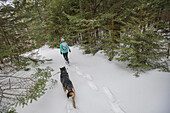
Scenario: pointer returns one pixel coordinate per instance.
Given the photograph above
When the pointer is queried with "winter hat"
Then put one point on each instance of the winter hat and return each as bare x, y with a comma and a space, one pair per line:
62, 40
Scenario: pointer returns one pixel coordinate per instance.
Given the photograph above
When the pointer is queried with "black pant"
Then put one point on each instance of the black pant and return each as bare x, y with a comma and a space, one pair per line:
65, 55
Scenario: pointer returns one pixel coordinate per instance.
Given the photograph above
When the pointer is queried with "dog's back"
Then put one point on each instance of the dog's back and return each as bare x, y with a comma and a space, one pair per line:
64, 78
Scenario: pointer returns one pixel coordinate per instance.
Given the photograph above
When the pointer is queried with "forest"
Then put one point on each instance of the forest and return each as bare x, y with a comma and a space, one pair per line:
133, 31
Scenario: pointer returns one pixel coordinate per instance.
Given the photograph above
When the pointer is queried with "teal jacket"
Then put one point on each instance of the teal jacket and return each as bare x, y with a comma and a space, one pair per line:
64, 48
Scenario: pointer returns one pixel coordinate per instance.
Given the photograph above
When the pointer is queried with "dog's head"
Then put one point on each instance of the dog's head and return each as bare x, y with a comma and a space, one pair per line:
63, 70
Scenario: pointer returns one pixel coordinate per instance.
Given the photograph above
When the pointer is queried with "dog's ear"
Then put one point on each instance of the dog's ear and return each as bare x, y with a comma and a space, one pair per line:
64, 68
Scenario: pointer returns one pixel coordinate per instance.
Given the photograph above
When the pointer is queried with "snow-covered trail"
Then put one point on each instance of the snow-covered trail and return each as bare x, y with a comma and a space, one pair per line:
102, 87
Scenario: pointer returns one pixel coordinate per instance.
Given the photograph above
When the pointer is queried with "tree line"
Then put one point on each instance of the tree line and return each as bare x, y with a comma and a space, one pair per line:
132, 31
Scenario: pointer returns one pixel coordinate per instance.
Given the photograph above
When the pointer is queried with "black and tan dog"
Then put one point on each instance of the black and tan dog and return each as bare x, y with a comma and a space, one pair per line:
67, 84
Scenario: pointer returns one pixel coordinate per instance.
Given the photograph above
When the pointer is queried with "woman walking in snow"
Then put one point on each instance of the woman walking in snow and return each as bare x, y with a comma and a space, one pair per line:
64, 48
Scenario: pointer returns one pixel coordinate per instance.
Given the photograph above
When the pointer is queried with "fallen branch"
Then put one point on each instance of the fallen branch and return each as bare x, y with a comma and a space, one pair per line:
18, 77
12, 94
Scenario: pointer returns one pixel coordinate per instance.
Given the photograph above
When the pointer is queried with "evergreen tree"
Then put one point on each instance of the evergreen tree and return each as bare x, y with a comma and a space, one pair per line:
20, 27
142, 46
118, 27
57, 22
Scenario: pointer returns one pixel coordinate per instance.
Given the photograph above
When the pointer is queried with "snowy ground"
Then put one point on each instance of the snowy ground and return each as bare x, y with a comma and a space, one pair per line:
102, 87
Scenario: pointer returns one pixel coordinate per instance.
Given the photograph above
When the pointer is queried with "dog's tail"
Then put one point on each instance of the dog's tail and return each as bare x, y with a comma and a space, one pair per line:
74, 104
71, 94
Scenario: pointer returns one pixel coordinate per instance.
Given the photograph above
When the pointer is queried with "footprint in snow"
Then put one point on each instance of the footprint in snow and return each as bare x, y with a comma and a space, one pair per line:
77, 68
79, 73
109, 94
115, 107
88, 77
92, 85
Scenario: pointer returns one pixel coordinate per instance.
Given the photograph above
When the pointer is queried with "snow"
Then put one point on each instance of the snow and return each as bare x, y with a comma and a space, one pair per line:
9, 2
102, 86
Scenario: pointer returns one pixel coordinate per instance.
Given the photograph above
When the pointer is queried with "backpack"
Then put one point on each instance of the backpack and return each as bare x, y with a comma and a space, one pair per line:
64, 48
